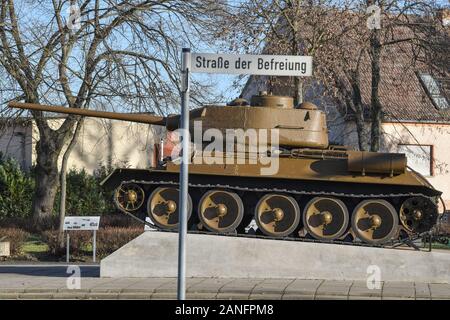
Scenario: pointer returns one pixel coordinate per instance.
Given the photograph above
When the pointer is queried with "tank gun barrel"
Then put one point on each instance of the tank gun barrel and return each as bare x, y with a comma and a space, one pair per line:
140, 118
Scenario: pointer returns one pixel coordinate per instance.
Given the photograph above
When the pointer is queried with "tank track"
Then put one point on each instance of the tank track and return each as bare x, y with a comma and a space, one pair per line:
392, 244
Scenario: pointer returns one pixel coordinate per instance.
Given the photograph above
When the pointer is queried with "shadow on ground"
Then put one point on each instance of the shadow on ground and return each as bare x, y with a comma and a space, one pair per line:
49, 270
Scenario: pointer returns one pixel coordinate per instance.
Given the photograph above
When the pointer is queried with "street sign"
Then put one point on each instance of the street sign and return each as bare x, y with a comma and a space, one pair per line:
299, 66
81, 223
272, 65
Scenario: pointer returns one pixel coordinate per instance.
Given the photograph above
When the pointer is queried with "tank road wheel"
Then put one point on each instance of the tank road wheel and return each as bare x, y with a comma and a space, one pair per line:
163, 207
220, 211
325, 218
418, 214
277, 215
374, 221
129, 197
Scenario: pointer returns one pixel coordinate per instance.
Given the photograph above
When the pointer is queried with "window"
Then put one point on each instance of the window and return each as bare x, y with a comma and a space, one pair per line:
436, 89
420, 157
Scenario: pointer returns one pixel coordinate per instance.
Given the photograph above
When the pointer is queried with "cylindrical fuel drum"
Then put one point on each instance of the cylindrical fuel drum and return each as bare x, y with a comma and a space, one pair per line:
376, 162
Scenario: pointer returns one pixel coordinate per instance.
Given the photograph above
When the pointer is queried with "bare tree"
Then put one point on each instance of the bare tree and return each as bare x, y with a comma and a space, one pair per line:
346, 49
401, 23
114, 54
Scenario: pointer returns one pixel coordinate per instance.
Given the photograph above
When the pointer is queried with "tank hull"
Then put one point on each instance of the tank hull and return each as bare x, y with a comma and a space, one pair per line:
328, 174
307, 184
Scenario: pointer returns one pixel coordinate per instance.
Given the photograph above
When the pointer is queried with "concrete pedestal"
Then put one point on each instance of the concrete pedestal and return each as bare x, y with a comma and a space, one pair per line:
154, 254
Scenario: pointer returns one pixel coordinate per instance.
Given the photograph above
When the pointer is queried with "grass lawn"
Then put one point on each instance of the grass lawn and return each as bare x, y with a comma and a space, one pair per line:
436, 245
35, 248
34, 245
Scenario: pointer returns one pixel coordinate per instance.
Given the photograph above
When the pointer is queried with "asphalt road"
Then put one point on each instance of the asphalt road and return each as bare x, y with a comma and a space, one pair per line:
47, 270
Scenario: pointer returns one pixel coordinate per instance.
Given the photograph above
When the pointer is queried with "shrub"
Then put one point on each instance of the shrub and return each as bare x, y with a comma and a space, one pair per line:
28, 224
119, 221
111, 239
16, 237
85, 196
16, 189
78, 242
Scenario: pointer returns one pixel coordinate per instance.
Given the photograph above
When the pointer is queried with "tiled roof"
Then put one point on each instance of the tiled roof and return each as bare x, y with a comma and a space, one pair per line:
401, 92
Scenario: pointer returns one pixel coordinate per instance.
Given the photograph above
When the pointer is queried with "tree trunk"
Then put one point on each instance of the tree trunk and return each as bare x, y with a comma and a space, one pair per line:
48, 149
298, 94
375, 131
63, 193
46, 179
361, 131
63, 183
359, 111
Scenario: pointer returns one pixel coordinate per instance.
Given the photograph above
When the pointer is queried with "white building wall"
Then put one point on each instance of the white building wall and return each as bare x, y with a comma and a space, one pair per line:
101, 142
16, 141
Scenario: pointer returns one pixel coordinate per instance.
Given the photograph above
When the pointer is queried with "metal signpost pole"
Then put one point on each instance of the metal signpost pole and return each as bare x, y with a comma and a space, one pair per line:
94, 245
183, 200
67, 247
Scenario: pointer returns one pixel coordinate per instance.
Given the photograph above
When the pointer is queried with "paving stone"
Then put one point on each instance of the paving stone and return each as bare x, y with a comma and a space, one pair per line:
422, 291
147, 285
102, 296
232, 296
36, 296
398, 284
114, 285
210, 285
293, 296
364, 298
164, 296
73, 291
8, 296
302, 287
41, 290
330, 297
87, 284
167, 287
11, 290
70, 296
134, 296
240, 286
13, 286
360, 289
334, 288
172, 285
440, 291
398, 290
201, 296
273, 286
265, 296
9, 284
397, 298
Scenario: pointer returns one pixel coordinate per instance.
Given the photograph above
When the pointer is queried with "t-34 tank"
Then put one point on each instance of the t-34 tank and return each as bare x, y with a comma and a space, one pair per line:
315, 190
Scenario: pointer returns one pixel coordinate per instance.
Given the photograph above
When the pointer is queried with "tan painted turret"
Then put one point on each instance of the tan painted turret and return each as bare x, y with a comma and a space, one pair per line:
303, 127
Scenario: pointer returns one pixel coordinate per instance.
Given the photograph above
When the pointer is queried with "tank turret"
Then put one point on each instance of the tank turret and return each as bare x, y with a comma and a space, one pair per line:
302, 127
